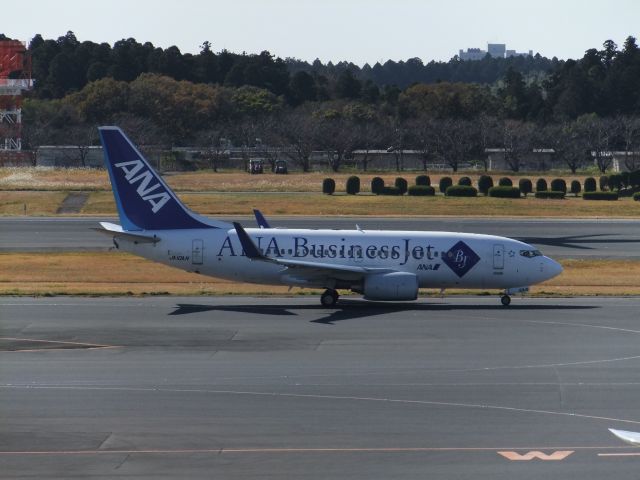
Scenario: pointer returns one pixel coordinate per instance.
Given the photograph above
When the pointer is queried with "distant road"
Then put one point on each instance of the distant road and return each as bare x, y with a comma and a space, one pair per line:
559, 238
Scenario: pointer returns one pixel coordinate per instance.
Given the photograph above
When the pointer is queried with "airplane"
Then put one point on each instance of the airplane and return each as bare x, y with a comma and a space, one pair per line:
380, 265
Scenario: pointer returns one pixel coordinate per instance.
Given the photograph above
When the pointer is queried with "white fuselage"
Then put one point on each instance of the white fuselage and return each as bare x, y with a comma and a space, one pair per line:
438, 259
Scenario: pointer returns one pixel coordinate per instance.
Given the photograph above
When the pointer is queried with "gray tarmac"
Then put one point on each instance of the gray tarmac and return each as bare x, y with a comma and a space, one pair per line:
242, 387
558, 238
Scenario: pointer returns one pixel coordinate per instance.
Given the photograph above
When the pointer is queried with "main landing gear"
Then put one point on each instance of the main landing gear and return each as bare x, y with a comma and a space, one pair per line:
506, 300
329, 298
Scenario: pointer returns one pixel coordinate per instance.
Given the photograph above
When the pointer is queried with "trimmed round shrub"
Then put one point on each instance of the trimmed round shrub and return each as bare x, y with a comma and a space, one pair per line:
590, 184
555, 194
466, 181
389, 190
600, 195
559, 185
603, 182
575, 187
461, 191
423, 180
634, 178
541, 185
353, 185
615, 181
328, 186
504, 192
525, 186
402, 184
445, 182
505, 182
485, 182
377, 184
636, 196
421, 191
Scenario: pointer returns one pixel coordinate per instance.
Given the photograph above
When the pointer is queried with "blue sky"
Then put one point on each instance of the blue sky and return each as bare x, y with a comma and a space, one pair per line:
355, 30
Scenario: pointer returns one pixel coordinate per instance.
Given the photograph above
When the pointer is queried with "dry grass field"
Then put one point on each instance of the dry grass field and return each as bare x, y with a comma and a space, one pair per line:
40, 191
101, 203
115, 273
205, 181
41, 203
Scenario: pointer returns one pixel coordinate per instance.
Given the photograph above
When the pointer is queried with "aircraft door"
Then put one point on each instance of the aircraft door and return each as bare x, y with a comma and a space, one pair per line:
197, 252
498, 256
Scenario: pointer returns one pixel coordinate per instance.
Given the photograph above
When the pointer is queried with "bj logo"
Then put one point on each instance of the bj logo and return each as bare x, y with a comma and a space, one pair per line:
460, 258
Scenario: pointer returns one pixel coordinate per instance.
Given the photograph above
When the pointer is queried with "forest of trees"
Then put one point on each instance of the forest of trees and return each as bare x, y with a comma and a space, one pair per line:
451, 111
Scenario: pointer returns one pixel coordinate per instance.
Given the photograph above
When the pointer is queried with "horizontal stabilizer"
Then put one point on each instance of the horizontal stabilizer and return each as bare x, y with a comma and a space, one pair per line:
114, 230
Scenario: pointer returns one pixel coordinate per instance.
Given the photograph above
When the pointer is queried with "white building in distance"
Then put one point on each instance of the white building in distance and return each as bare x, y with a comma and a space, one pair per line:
495, 50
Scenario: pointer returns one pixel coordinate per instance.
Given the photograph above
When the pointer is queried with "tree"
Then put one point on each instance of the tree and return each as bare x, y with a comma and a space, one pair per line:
348, 86
297, 131
517, 141
215, 143
629, 128
597, 134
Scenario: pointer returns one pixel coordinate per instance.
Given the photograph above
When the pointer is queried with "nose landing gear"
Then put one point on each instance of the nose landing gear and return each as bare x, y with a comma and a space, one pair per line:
506, 300
329, 298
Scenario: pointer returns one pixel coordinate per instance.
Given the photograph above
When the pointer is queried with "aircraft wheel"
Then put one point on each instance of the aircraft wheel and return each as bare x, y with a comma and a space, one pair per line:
329, 298
506, 300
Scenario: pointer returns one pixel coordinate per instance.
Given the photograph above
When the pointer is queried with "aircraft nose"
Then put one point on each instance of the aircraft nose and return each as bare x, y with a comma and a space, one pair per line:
552, 268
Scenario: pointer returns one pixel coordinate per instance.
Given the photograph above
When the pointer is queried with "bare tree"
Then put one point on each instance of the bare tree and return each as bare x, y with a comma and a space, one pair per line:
517, 141
82, 137
338, 137
629, 128
423, 136
215, 146
368, 136
488, 137
297, 131
567, 144
456, 142
597, 134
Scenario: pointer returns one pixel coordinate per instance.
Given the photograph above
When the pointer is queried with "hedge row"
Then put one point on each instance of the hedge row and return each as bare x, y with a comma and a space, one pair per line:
600, 195
614, 186
556, 194
504, 191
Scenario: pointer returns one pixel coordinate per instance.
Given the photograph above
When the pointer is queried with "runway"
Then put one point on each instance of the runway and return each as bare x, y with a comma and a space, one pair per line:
242, 387
558, 238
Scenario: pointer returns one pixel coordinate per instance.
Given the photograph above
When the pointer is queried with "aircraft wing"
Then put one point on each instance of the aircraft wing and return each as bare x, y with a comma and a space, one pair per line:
114, 230
632, 438
304, 268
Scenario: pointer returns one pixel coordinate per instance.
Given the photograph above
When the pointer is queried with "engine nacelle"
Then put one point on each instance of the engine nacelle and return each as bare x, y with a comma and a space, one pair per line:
391, 286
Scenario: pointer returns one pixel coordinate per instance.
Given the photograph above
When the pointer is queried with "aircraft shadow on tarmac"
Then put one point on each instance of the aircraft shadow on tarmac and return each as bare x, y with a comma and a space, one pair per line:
578, 242
348, 309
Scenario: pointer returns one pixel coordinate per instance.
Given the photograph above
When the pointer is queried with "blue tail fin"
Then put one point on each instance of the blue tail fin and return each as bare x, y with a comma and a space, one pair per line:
144, 200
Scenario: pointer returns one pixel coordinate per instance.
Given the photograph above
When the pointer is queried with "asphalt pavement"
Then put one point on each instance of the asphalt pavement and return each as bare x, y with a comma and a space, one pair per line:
242, 387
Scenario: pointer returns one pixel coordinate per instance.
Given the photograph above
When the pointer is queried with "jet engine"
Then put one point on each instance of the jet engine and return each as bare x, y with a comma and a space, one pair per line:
391, 286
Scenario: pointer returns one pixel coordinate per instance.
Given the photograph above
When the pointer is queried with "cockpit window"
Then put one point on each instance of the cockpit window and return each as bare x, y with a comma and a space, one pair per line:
531, 253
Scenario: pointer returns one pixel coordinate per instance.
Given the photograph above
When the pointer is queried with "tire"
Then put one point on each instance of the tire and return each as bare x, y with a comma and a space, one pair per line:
329, 298
506, 300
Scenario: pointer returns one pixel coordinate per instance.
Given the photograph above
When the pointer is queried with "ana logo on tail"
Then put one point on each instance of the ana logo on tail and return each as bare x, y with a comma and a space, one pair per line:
145, 177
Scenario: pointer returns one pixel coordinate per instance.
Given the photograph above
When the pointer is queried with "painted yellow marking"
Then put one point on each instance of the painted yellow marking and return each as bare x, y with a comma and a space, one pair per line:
535, 454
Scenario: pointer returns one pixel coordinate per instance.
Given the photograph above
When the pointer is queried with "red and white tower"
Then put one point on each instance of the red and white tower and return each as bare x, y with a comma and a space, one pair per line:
15, 78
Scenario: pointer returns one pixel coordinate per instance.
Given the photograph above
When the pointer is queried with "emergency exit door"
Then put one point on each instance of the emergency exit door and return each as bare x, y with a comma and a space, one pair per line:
197, 252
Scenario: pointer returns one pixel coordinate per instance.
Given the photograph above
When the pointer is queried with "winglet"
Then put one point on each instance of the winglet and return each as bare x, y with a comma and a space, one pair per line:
248, 246
262, 222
